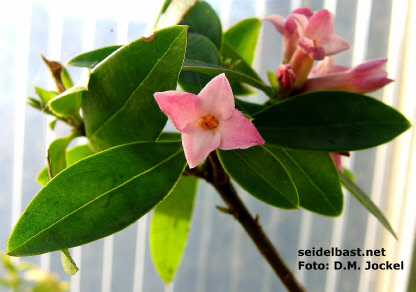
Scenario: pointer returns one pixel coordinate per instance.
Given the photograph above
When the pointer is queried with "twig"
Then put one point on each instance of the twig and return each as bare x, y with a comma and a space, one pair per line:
214, 173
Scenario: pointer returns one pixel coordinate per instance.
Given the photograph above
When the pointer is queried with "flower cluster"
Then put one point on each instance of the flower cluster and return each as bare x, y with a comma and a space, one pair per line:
308, 36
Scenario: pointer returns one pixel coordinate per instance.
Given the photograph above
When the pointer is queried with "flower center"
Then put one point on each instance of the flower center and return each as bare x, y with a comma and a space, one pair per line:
208, 122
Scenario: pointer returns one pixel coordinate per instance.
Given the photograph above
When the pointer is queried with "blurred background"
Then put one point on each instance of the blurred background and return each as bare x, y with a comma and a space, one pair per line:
219, 255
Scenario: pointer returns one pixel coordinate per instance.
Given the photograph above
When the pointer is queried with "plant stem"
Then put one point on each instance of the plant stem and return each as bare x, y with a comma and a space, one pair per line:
214, 173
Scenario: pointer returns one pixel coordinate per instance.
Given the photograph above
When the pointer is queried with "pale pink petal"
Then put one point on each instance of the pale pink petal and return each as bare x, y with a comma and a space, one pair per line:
371, 65
216, 98
278, 22
303, 10
334, 44
301, 22
238, 132
327, 66
198, 143
178, 106
320, 25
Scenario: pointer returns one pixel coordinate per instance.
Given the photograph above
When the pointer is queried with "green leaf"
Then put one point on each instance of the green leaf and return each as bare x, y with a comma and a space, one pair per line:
249, 107
56, 154
170, 226
204, 20
45, 95
330, 121
66, 79
231, 59
43, 176
68, 102
68, 263
77, 153
237, 63
242, 38
202, 67
167, 136
92, 58
35, 103
174, 13
119, 106
315, 177
261, 174
202, 49
97, 197
362, 197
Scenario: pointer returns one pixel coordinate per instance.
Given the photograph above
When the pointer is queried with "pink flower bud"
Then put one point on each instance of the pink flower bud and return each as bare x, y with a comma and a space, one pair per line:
285, 76
366, 77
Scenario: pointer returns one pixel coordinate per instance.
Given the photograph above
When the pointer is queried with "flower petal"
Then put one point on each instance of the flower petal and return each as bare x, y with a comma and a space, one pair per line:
278, 22
320, 25
198, 144
335, 44
178, 106
216, 98
238, 132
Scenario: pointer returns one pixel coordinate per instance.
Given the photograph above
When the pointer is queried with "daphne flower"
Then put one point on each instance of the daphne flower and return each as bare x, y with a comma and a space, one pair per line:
366, 77
287, 28
316, 35
208, 120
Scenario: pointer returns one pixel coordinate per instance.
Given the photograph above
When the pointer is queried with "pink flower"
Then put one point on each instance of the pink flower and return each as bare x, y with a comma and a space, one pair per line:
366, 77
316, 35
208, 120
287, 28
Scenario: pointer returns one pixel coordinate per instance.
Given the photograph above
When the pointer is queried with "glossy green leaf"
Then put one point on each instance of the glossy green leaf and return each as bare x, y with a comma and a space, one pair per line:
66, 79
174, 13
315, 177
56, 154
261, 174
68, 102
249, 108
168, 136
45, 95
97, 197
170, 227
362, 197
202, 19
233, 76
242, 38
68, 263
92, 58
77, 153
43, 176
331, 121
119, 106
202, 49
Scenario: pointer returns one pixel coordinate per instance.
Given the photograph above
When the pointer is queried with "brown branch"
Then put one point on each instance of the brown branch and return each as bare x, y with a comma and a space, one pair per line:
214, 173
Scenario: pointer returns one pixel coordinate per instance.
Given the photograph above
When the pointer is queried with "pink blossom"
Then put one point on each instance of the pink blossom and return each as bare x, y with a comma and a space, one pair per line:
366, 77
287, 28
208, 120
316, 35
